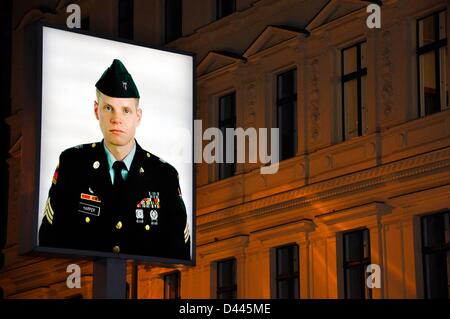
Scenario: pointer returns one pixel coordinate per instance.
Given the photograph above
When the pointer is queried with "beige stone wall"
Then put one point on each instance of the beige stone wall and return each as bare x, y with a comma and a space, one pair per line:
384, 180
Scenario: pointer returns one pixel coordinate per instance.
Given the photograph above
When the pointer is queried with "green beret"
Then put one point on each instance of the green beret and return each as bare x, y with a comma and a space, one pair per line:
117, 82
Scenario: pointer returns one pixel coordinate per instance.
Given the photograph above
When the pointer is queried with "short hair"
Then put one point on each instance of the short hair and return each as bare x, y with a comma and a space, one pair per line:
100, 94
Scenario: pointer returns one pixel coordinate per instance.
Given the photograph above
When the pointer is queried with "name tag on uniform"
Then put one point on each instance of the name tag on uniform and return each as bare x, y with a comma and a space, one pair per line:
88, 209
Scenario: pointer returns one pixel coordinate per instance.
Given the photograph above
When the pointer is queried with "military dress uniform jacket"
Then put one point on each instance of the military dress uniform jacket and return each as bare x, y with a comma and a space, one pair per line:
84, 211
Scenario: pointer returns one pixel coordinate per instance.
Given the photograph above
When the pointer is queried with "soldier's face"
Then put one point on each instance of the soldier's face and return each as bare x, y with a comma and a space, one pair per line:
118, 118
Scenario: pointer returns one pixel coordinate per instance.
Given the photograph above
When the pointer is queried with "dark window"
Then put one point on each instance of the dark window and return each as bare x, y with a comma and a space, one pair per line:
224, 8
127, 290
356, 260
173, 20
227, 119
436, 255
354, 73
431, 61
287, 280
125, 19
287, 113
226, 279
172, 285
85, 24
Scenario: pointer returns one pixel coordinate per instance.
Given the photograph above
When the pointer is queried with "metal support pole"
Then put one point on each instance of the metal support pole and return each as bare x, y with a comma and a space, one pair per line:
109, 280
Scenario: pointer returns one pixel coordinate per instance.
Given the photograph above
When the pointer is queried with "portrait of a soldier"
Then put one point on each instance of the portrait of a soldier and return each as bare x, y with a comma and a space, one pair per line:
112, 195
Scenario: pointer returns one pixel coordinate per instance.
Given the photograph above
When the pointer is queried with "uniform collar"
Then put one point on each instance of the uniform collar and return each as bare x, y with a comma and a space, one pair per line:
127, 160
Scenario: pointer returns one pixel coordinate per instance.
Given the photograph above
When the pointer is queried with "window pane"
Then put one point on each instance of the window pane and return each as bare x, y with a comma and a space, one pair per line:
351, 108
363, 102
225, 7
427, 31
287, 260
286, 85
173, 20
443, 77
349, 56
443, 25
171, 286
433, 230
227, 107
226, 274
363, 55
429, 96
435, 267
354, 283
352, 245
287, 289
286, 124
227, 119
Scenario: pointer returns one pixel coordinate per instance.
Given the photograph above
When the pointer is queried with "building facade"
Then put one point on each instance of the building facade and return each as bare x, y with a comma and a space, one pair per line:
363, 177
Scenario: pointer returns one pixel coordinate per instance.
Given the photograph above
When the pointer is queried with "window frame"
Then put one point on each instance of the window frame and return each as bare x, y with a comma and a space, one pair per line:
422, 50
226, 289
362, 263
294, 276
177, 274
225, 123
440, 250
357, 75
292, 100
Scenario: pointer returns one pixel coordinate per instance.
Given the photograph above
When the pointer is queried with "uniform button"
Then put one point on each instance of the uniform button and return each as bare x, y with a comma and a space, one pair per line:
119, 225
116, 249
147, 227
87, 220
93, 145
148, 154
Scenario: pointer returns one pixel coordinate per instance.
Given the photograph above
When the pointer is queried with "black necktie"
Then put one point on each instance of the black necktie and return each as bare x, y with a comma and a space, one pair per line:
118, 166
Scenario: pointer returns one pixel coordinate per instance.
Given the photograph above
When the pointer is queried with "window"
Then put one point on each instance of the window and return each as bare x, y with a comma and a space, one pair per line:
173, 20
354, 73
356, 260
172, 285
287, 279
224, 8
227, 119
431, 61
125, 20
226, 279
436, 255
287, 113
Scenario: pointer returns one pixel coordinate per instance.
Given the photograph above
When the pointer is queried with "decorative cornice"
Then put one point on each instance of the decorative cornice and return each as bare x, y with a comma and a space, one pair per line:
273, 36
326, 190
303, 225
237, 242
334, 217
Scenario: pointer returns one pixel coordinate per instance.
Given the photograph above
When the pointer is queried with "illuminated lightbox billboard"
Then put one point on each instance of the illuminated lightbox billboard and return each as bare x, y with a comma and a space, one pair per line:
82, 208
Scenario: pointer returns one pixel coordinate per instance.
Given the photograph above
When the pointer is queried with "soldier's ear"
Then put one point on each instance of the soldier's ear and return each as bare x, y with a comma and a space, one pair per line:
96, 109
139, 114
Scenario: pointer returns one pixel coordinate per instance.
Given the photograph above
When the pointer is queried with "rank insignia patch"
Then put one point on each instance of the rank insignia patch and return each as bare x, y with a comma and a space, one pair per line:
55, 175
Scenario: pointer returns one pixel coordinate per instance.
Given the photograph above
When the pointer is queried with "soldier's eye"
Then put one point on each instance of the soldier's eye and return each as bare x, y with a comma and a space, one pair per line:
108, 108
126, 111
